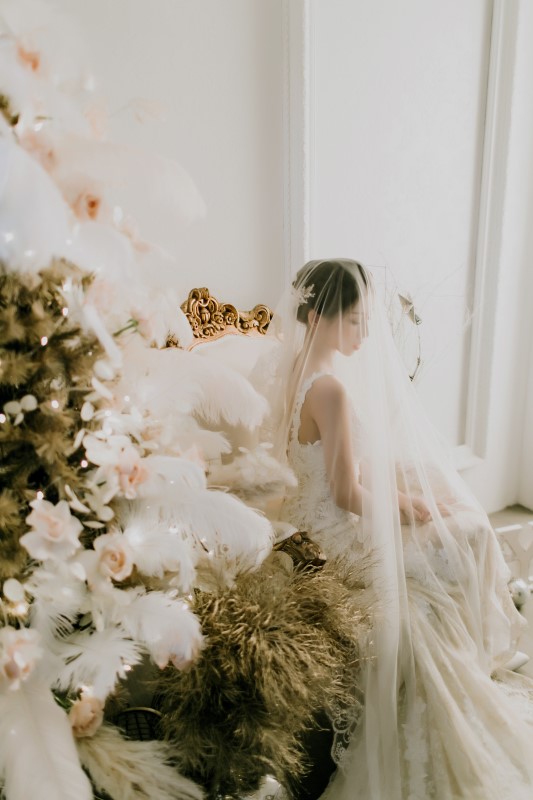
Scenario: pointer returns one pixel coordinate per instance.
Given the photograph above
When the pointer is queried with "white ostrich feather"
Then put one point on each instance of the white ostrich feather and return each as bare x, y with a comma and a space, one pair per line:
96, 659
122, 423
252, 472
44, 30
226, 393
181, 432
155, 380
210, 444
158, 547
157, 308
166, 626
34, 219
166, 382
166, 471
49, 32
135, 181
38, 758
59, 595
223, 526
127, 770
100, 248
95, 323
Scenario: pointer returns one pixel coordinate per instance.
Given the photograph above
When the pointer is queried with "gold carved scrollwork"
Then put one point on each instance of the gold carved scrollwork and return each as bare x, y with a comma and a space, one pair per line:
210, 319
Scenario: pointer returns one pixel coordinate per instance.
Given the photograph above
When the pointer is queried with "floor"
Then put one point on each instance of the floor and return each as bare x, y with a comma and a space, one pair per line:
514, 528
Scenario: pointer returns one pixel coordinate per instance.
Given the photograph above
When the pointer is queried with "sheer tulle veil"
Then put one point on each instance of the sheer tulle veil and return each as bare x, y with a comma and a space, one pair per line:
333, 320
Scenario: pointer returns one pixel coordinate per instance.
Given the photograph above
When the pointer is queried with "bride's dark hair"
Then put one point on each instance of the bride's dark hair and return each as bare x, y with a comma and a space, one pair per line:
328, 287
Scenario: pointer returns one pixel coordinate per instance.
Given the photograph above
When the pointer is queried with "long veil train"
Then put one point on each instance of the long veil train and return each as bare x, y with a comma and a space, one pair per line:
375, 483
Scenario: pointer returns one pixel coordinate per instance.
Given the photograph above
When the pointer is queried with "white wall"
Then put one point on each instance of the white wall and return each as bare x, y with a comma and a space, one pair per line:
399, 105
398, 128
217, 68
387, 107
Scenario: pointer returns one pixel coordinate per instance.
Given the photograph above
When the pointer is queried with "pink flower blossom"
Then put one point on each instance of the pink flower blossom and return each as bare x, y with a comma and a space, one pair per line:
55, 532
121, 466
114, 556
131, 472
110, 559
30, 58
86, 205
86, 715
19, 651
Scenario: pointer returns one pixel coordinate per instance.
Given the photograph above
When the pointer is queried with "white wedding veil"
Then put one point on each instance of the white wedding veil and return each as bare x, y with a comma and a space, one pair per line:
337, 381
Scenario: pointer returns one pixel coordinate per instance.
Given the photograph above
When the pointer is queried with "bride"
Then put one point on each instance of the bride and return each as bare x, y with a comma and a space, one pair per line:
442, 718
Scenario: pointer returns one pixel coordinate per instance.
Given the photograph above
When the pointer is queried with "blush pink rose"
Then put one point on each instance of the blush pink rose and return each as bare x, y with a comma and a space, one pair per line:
131, 472
86, 715
19, 652
114, 556
55, 532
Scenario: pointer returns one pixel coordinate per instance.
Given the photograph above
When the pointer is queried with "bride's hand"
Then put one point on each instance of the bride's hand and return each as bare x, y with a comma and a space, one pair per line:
413, 510
444, 509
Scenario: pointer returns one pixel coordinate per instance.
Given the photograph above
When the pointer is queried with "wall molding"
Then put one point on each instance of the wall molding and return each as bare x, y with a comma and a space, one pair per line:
298, 82
487, 268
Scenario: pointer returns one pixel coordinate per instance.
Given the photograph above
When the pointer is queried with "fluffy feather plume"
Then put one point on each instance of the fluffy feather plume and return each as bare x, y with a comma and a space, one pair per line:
51, 49
37, 753
229, 536
165, 470
134, 180
113, 254
166, 382
166, 626
183, 433
77, 438
196, 527
127, 770
96, 659
58, 597
253, 475
227, 394
30, 205
158, 548
278, 648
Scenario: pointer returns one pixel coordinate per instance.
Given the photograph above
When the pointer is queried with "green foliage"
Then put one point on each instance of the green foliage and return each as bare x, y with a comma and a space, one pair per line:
46, 356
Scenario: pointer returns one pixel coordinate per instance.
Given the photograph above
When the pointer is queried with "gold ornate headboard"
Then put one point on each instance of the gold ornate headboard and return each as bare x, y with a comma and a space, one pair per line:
210, 319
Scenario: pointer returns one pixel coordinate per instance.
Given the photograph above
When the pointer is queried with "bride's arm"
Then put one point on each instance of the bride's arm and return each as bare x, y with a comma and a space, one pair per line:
330, 409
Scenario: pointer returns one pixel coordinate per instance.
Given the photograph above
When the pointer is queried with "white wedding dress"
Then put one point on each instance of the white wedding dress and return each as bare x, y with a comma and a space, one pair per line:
468, 732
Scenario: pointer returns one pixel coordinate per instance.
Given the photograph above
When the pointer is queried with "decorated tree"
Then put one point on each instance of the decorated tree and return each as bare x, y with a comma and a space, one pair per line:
114, 547
106, 519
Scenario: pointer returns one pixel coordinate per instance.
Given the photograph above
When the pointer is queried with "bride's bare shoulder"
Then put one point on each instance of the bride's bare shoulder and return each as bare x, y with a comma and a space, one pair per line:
327, 389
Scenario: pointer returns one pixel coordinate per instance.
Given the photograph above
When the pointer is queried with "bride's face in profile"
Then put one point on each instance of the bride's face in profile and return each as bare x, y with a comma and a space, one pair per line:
353, 329
345, 332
